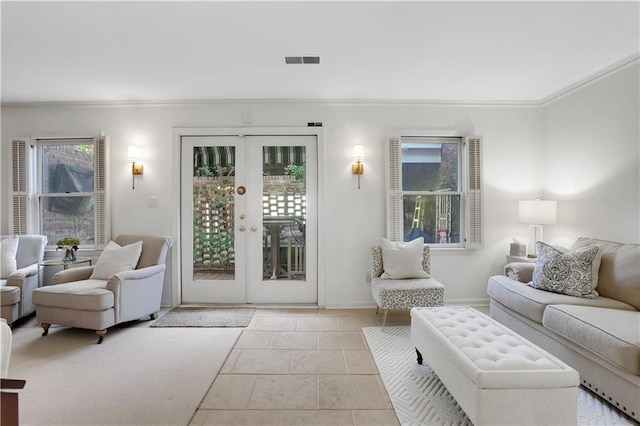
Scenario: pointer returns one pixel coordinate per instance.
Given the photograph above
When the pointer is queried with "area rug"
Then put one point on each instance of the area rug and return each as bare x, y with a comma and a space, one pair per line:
420, 398
205, 317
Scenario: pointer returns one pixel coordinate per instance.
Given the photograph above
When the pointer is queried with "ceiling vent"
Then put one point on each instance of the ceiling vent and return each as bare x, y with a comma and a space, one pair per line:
301, 60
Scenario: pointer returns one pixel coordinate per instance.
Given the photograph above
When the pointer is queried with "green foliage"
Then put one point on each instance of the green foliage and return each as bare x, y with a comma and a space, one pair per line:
68, 241
297, 171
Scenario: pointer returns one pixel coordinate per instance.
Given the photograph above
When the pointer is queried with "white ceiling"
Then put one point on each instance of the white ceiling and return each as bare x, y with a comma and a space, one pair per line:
405, 51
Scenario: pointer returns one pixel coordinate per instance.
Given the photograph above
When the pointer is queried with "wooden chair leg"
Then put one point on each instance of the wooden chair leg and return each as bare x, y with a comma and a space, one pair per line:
377, 309
45, 327
101, 334
384, 318
154, 315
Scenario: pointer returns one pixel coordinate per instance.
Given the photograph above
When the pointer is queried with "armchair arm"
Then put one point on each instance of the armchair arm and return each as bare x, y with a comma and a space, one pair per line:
73, 274
137, 293
520, 271
17, 277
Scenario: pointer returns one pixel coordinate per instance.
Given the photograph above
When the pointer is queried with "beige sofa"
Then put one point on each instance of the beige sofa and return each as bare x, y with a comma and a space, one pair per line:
598, 337
17, 288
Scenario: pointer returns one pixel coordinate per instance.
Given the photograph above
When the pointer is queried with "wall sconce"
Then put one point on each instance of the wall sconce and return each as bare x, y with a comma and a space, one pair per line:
357, 168
536, 213
136, 167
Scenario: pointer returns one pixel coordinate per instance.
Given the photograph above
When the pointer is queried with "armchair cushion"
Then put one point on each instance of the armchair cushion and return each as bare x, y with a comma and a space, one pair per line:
115, 258
8, 250
402, 260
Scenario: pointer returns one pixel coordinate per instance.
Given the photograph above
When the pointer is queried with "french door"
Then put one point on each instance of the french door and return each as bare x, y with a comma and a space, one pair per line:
249, 219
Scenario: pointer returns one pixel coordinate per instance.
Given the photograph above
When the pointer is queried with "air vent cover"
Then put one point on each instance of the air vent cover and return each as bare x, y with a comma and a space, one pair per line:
301, 60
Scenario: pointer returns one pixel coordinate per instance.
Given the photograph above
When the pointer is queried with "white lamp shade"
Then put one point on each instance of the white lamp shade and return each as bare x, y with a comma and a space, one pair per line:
358, 152
537, 212
133, 153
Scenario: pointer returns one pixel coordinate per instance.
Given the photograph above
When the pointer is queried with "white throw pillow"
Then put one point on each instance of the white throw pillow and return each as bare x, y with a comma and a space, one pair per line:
8, 249
402, 260
115, 258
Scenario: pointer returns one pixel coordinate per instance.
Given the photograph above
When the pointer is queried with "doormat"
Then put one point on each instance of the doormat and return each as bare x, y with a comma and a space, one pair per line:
205, 317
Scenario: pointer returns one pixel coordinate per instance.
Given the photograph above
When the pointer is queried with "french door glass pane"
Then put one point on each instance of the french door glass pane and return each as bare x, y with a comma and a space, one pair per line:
213, 213
284, 197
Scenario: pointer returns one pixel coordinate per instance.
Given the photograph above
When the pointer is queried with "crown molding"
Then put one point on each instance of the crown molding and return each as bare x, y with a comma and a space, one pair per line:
611, 69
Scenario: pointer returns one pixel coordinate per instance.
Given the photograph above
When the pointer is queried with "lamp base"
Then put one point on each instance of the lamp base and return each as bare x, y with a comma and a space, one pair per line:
535, 235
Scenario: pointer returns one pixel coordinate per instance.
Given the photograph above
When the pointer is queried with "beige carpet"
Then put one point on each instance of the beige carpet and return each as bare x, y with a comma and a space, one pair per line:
137, 376
420, 398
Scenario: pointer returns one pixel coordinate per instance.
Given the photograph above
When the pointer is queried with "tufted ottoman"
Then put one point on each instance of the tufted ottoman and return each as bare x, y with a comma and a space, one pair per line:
495, 375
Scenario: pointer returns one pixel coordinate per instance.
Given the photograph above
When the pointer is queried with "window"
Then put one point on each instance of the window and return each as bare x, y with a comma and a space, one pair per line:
59, 189
433, 190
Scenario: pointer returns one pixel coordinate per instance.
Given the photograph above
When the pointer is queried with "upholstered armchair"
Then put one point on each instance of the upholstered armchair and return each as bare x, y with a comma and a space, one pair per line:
19, 274
124, 285
400, 277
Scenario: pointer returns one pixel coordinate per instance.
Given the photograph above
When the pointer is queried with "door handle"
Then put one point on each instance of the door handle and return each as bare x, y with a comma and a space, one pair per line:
241, 228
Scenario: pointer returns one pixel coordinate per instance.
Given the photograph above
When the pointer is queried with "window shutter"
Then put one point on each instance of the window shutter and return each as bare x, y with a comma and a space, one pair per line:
394, 193
20, 186
100, 168
474, 193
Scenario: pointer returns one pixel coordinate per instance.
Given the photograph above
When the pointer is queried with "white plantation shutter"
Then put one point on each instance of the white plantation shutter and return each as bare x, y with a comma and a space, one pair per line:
100, 182
394, 191
474, 193
20, 155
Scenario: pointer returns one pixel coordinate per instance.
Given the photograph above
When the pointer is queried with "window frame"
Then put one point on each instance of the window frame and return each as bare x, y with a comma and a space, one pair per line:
469, 187
27, 173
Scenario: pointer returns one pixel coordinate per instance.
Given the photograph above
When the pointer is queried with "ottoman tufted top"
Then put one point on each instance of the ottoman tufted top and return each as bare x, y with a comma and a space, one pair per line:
489, 353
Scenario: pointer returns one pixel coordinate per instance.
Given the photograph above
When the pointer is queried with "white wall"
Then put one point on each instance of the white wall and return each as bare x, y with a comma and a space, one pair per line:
591, 160
581, 149
352, 219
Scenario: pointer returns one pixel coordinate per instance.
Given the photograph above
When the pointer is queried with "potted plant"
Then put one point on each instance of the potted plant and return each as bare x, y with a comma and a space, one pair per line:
69, 245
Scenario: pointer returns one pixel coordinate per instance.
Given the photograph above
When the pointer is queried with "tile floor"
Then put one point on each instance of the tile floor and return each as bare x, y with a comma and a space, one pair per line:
301, 367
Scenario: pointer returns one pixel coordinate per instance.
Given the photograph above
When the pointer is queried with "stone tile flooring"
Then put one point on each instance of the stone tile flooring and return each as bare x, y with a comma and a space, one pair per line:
301, 366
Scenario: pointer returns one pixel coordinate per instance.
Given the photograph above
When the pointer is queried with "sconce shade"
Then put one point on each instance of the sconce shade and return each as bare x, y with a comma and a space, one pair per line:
537, 212
133, 153
358, 152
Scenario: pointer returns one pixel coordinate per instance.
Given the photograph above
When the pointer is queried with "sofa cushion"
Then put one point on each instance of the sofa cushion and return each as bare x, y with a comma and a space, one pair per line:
531, 302
8, 249
574, 273
88, 295
610, 333
619, 276
402, 260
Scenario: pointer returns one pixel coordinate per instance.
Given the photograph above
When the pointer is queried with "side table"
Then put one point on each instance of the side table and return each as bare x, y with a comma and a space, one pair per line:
65, 265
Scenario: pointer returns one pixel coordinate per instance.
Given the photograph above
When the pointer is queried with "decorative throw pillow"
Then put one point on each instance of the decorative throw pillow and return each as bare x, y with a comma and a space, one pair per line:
402, 260
8, 249
115, 258
574, 273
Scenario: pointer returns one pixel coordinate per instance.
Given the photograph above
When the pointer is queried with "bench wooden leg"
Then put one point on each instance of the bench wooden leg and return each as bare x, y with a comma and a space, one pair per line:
384, 317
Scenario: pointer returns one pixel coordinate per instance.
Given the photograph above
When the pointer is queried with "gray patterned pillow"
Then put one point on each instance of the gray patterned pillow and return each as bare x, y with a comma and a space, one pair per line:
574, 273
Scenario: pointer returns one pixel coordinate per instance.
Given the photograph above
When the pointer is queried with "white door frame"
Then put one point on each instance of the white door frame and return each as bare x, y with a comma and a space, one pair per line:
178, 132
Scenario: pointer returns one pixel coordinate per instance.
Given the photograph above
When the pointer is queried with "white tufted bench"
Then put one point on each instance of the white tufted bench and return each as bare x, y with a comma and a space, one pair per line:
495, 375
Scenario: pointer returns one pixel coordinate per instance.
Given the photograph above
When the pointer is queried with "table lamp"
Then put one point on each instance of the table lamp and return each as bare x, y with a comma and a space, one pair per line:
536, 213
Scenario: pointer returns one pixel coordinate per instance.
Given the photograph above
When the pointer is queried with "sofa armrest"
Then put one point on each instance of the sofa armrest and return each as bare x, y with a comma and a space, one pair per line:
520, 271
73, 274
